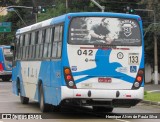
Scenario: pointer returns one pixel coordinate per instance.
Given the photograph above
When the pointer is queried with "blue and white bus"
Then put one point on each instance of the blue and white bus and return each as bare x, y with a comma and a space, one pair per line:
87, 59
5, 63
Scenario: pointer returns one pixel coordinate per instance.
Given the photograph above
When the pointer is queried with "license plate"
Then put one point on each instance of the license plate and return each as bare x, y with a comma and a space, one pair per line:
104, 80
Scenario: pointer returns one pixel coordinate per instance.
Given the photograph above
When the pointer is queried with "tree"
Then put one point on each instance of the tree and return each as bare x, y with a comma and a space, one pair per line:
7, 2
150, 28
6, 38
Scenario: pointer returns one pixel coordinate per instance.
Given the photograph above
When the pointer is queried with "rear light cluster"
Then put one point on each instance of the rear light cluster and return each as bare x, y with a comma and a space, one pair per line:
139, 79
69, 78
1, 67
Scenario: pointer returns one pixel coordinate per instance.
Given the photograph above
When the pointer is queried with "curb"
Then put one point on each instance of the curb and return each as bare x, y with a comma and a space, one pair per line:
150, 102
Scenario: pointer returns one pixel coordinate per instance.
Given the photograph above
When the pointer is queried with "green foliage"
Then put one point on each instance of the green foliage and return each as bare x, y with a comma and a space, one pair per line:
151, 29
154, 96
145, 92
6, 38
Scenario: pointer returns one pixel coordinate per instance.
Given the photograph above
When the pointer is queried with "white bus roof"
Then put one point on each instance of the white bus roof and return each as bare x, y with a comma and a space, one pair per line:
41, 24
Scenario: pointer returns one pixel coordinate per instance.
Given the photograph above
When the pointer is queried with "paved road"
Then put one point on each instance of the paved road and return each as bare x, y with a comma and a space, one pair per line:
10, 103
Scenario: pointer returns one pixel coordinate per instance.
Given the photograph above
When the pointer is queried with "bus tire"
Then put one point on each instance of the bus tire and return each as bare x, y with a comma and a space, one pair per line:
43, 106
24, 100
102, 109
56, 108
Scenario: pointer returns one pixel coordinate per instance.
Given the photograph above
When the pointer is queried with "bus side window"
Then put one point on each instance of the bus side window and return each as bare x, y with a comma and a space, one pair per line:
46, 43
31, 46
33, 40
40, 45
17, 46
21, 47
52, 41
49, 43
25, 45
60, 42
37, 45
54, 50
27, 42
55, 38
57, 43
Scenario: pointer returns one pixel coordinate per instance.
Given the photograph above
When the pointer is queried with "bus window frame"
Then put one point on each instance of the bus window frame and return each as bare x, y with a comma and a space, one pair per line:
61, 37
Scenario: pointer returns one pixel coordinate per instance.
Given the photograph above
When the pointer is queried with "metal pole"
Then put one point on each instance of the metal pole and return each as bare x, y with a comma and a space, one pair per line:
36, 17
66, 4
25, 7
12, 9
98, 5
155, 53
20, 17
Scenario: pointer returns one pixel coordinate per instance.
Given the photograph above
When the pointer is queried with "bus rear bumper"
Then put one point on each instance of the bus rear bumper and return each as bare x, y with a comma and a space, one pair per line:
5, 73
97, 97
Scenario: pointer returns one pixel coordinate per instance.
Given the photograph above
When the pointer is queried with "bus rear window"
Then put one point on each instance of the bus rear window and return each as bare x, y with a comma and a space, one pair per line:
104, 31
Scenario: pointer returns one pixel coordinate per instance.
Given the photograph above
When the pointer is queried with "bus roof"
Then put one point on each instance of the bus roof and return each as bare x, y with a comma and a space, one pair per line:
41, 24
61, 19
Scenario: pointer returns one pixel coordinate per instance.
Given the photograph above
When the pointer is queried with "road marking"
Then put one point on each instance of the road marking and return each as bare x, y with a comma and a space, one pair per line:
153, 91
122, 120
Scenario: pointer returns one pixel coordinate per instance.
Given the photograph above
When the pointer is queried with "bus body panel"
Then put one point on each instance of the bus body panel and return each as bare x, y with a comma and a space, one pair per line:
30, 73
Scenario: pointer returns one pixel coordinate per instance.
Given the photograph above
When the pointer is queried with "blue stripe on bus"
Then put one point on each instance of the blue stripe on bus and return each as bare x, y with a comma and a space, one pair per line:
104, 68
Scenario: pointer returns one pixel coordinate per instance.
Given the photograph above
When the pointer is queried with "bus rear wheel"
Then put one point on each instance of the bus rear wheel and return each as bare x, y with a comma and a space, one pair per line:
43, 106
102, 109
24, 100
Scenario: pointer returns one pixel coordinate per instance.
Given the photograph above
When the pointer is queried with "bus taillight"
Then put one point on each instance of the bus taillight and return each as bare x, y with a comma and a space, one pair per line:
69, 78
139, 79
67, 71
1, 67
140, 72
